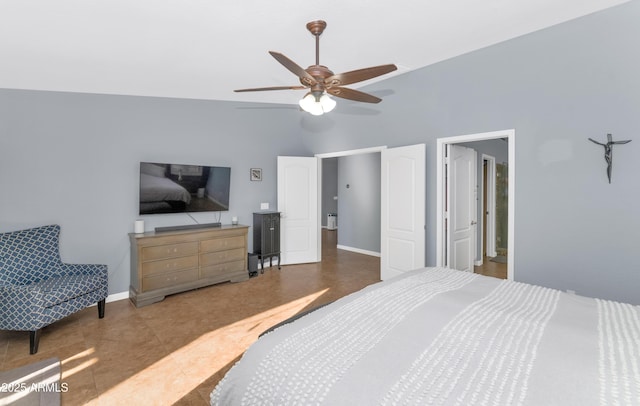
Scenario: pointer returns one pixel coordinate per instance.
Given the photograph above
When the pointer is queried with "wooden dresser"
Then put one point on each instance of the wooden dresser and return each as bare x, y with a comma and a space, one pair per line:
163, 263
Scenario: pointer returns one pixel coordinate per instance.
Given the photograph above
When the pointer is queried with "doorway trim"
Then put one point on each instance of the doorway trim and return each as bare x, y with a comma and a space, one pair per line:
441, 144
351, 152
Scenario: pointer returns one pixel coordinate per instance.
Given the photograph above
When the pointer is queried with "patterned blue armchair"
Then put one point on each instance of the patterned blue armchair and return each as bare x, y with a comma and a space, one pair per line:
37, 288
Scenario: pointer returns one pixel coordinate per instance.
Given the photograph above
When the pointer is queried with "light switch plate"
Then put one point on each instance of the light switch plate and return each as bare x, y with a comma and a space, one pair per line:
264, 206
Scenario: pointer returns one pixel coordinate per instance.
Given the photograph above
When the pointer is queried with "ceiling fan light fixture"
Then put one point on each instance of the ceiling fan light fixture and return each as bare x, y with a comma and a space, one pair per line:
317, 105
307, 102
327, 103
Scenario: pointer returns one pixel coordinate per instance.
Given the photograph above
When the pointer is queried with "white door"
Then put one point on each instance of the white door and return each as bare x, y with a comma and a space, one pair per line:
402, 206
461, 212
298, 205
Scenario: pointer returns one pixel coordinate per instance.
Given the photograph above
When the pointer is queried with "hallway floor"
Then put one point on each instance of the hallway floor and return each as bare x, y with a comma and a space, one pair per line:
490, 268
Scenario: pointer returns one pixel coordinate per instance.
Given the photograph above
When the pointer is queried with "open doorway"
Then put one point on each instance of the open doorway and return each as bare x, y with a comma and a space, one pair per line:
494, 228
350, 201
401, 217
491, 191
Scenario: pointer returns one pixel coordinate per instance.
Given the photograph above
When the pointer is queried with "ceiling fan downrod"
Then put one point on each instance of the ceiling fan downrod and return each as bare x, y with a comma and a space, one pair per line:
317, 28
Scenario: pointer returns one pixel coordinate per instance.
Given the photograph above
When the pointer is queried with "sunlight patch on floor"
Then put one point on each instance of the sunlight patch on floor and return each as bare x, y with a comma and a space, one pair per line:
69, 371
195, 362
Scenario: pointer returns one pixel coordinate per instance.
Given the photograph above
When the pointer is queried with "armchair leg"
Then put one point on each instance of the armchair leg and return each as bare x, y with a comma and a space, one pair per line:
101, 308
34, 340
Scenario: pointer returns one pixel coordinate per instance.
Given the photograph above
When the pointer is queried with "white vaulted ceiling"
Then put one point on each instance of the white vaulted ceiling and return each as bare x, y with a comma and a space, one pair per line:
203, 49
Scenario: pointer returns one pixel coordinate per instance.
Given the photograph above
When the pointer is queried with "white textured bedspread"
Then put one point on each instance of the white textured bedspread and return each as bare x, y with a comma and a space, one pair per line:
160, 189
437, 336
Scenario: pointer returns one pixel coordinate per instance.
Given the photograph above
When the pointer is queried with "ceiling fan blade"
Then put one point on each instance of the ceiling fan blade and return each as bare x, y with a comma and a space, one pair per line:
359, 75
294, 68
351, 94
261, 89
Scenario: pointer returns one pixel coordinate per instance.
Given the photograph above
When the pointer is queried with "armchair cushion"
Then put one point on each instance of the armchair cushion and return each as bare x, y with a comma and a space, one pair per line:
60, 289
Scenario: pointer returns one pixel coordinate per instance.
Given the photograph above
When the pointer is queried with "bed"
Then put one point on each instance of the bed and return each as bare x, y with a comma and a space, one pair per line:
158, 193
439, 336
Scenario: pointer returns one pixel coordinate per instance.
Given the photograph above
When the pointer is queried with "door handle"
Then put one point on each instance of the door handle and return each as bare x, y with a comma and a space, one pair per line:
473, 223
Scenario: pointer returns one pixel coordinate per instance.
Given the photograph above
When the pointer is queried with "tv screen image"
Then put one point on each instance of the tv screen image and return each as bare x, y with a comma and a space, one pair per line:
179, 188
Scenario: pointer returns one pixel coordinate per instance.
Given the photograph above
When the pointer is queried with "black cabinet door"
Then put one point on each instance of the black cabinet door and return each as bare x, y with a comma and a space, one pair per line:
266, 233
273, 233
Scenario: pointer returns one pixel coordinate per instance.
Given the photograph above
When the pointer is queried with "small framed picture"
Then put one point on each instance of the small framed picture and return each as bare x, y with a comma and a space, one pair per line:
256, 174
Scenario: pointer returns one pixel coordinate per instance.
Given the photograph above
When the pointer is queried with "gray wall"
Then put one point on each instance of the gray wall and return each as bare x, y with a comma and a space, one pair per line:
359, 203
556, 88
73, 159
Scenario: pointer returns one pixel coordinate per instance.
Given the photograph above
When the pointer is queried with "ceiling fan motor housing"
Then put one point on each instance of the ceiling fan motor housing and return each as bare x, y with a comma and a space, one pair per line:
320, 73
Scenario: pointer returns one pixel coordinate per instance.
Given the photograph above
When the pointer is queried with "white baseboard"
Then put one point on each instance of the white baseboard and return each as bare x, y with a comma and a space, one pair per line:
478, 263
114, 297
359, 251
117, 296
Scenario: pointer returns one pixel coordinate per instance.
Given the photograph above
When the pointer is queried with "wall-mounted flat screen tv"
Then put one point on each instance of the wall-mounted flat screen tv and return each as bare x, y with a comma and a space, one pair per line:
178, 188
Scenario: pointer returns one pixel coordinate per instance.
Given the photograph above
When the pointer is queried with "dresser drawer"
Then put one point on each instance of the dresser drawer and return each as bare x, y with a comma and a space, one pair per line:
169, 251
169, 279
212, 258
222, 269
220, 244
168, 265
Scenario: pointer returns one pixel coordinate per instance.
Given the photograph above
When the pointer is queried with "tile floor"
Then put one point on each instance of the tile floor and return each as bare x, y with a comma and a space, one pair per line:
175, 351
490, 268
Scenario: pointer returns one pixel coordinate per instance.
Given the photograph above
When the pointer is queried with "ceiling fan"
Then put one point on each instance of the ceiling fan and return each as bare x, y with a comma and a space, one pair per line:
320, 80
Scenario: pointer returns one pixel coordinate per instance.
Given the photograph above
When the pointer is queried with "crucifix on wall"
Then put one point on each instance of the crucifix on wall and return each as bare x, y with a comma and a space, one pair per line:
608, 151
